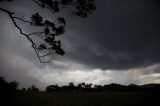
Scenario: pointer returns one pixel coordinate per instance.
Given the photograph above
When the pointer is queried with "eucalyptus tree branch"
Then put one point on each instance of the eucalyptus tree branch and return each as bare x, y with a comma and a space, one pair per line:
34, 46
50, 46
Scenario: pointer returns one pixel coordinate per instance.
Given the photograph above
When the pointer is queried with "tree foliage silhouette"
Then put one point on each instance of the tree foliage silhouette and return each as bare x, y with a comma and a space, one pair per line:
49, 46
7, 86
52, 88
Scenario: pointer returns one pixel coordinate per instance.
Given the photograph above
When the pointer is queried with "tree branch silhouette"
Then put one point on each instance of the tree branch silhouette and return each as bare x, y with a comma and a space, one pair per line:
49, 46
10, 14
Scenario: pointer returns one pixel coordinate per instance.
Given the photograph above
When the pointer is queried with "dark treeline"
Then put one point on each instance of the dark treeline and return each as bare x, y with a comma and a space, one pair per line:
9, 87
113, 86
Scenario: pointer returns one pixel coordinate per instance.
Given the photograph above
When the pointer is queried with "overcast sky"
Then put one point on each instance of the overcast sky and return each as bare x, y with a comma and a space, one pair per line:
118, 43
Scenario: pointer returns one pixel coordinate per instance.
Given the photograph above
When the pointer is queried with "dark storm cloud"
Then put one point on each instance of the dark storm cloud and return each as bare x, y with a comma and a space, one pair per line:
121, 34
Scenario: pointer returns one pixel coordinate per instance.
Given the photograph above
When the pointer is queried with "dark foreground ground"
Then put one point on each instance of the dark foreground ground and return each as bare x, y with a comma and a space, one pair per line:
103, 98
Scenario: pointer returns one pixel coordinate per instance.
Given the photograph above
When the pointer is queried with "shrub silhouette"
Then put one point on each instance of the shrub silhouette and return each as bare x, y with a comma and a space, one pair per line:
52, 88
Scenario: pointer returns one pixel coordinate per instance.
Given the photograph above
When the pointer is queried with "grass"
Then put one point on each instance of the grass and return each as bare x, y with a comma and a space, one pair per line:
104, 98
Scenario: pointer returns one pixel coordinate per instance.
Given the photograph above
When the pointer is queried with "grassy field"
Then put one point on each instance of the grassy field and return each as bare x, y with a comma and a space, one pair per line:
105, 98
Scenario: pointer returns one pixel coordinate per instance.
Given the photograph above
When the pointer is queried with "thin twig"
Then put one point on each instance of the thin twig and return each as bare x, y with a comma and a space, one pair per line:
19, 18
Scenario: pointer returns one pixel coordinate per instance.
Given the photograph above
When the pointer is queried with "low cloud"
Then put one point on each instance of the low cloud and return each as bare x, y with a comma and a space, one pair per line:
27, 73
